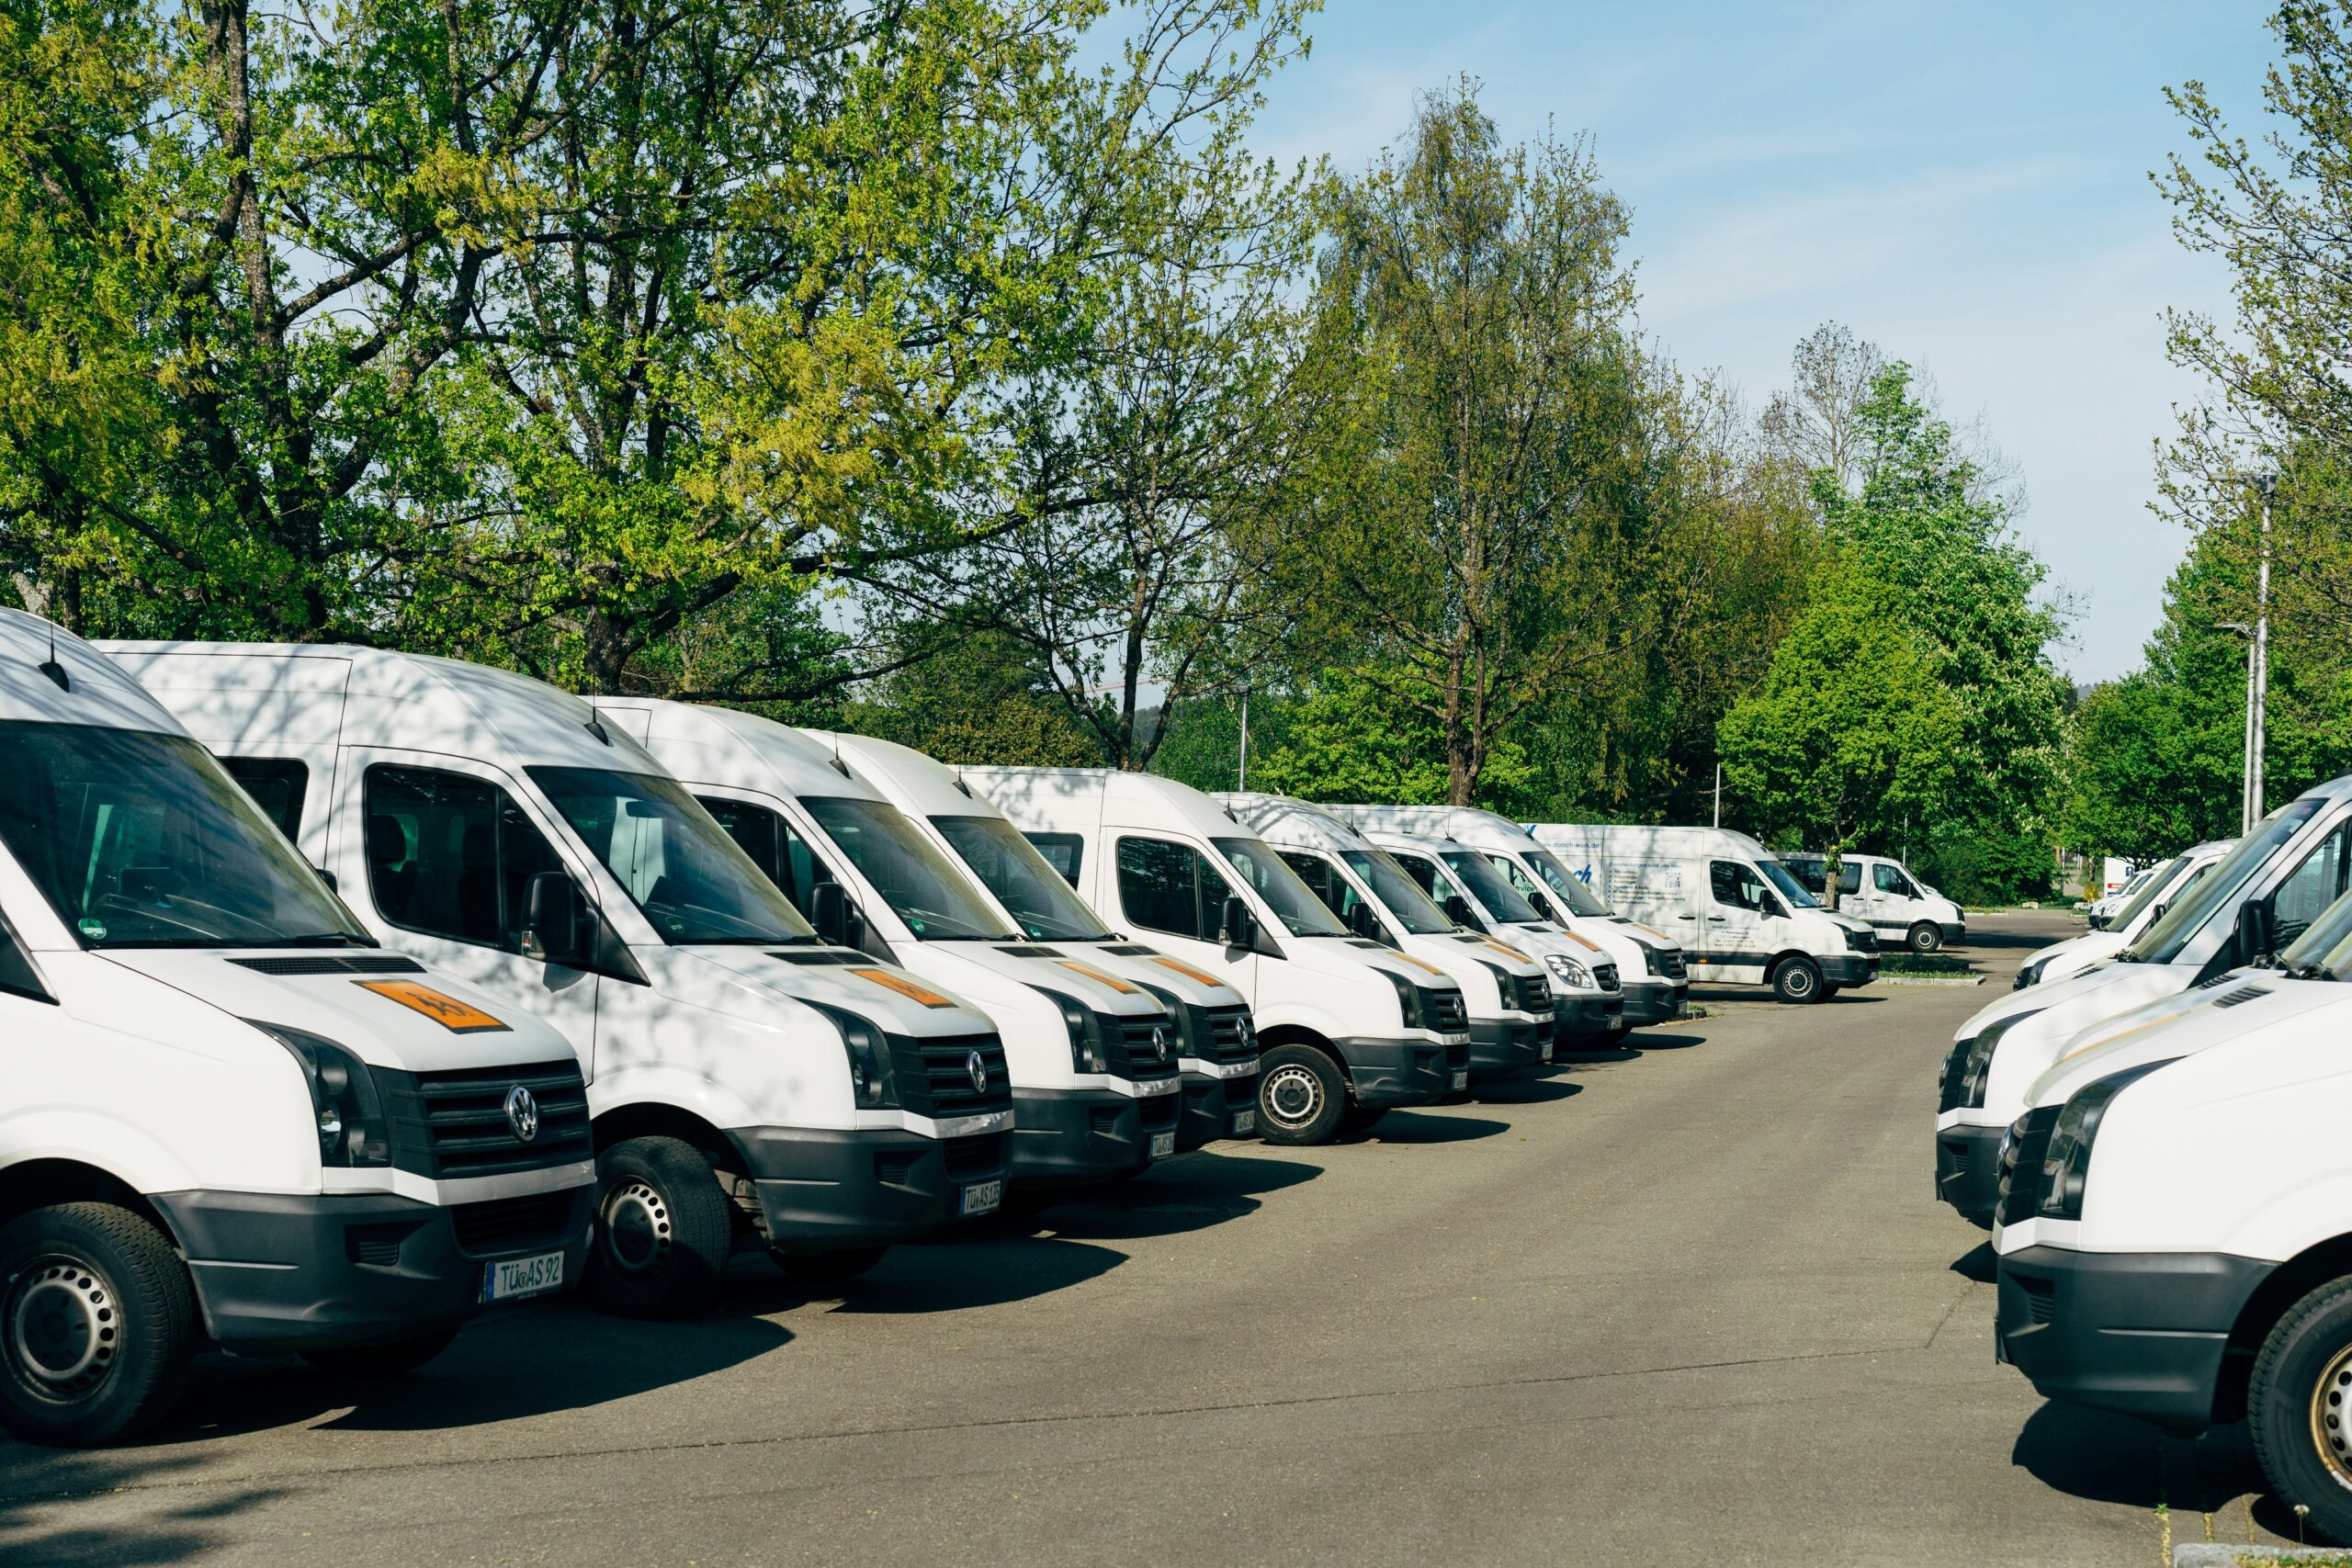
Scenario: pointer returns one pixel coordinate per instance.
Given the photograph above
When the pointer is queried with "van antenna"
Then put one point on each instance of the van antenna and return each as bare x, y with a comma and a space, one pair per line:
839, 766
52, 668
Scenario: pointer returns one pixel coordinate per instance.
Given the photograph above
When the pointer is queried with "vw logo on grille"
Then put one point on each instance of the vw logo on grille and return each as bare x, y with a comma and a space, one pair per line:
977, 1065
1160, 1044
522, 1114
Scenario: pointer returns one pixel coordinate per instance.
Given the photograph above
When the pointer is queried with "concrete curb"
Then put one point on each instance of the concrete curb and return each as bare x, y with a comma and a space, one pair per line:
2212, 1554
1930, 980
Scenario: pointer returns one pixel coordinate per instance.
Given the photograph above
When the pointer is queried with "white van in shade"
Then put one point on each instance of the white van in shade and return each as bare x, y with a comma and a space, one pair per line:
2175, 1235
1744, 918
1216, 1044
2255, 901
750, 1087
2168, 882
1587, 1001
1093, 1057
227, 1116
1904, 911
1650, 962
1348, 1028
1504, 989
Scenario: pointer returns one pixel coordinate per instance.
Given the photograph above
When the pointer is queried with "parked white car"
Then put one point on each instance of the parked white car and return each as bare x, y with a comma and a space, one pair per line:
1903, 910
228, 1116
2165, 885
751, 1086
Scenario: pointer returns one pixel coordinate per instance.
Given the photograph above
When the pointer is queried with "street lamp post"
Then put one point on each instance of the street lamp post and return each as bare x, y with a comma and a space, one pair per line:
2257, 671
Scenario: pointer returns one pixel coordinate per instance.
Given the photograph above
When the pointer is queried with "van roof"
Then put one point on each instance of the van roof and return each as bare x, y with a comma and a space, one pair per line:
1472, 826
465, 708
1683, 836
743, 751
1279, 820
927, 786
97, 692
1116, 791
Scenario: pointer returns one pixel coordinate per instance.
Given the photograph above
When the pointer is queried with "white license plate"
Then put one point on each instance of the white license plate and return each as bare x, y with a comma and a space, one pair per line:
1244, 1121
1461, 1079
1162, 1145
522, 1277
983, 1197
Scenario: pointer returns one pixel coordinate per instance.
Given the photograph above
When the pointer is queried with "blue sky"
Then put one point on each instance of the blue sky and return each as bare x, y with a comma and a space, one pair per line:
1965, 184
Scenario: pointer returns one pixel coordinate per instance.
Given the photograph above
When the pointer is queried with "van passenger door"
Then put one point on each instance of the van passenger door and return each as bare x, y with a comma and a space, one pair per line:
1731, 917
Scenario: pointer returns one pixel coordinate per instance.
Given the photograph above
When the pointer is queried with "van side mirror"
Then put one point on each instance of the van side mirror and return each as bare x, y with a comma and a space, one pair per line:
2157, 913
1543, 908
831, 912
328, 878
1364, 922
1457, 910
553, 920
1771, 909
2254, 930
1234, 922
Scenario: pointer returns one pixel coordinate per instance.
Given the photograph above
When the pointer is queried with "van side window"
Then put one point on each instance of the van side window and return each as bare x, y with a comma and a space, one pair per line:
450, 856
278, 786
1424, 874
773, 845
1063, 851
1735, 884
1889, 879
1520, 882
1812, 875
1324, 879
1170, 887
1850, 877
2310, 888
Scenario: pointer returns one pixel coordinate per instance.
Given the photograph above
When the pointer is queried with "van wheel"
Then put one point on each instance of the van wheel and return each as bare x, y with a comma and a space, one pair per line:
1926, 937
831, 1267
2298, 1406
1797, 980
99, 1324
664, 1230
397, 1359
1301, 1096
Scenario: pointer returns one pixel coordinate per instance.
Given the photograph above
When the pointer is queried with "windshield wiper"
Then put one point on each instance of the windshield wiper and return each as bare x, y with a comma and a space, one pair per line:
316, 939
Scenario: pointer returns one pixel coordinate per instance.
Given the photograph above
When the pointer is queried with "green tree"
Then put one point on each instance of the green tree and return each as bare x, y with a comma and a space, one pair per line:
1853, 734
1348, 739
973, 694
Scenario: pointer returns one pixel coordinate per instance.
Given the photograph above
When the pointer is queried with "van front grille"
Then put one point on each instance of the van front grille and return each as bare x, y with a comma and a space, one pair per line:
1225, 1034
1135, 1057
1670, 963
936, 1079
455, 1124
1445, 1010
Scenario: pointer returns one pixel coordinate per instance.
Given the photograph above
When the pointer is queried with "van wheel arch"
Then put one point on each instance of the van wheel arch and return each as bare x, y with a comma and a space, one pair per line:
653, 1119
41, 1183
1782, 960
1299, 1035
2288, 1283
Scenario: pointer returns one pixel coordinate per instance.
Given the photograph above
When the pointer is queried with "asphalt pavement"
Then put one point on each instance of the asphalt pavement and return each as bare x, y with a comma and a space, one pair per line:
1685, 1303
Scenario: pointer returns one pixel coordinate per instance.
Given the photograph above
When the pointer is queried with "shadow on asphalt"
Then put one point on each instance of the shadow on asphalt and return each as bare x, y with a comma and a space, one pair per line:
918, 1280
1188, 1194
1601, 1058
1978, 1264
34, 1478
2114, 1459
1537, 1088
1413, 1127
2011, 940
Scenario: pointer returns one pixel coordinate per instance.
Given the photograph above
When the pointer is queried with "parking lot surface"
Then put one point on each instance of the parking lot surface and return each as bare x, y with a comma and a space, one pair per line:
1689, 1302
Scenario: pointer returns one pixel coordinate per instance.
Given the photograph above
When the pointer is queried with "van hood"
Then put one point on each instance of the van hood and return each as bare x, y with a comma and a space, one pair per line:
2240, 1005
1345, 957
2057, 994
1142, 964
746, 982
402, 1016
1063, 968
2069, 1006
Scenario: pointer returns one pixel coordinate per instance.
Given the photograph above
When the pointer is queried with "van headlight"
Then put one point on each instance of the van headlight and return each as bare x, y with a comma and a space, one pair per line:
1568, 972
346, 1112
2066, 1166
872, 1082
1978, 1066
2029, 975
1408, 997
1085, 1025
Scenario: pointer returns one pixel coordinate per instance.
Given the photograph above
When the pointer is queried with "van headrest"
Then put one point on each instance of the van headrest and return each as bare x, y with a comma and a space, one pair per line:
386, 843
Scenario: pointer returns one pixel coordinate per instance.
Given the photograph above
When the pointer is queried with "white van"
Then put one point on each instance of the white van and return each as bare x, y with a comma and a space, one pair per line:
1216, 1044
1743, 918
1092, 1058
2167, 882
2175, 1235
1896, 903
1652, 973
1348, 1029
1504, 989
2101, 911
750, 1087
228, 1117
2255, 901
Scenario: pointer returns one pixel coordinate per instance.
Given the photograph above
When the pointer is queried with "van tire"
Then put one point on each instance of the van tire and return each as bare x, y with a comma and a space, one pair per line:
365, 1362
90, 1264
664, 1230
1797, 980
1926, 937
2301, 1379
1312, 1089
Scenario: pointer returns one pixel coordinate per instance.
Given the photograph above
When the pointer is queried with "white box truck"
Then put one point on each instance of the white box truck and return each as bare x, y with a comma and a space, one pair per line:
1738, 913
228, 1117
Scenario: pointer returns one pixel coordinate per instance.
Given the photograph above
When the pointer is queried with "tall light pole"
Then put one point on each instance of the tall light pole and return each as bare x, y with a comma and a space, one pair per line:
2258, 681
2247, 790
1242, 781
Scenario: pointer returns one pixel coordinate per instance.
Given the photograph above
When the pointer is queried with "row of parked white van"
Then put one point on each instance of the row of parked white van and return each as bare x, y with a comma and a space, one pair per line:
2151, 1124
346, 994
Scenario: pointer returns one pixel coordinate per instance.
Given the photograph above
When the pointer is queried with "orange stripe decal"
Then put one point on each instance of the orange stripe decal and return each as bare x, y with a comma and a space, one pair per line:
1510, 952
457, 1016
904, 986
1418, 965
1588, 946
1202, 975
1100, 978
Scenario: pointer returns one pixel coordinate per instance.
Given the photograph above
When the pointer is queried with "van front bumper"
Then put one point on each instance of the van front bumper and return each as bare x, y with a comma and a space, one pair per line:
1655, 1002
1848, 969
1586, 1015
1968, 1171
1216, 1108
1500, 1045
1389, 1073
1953, 931
829, 1190
2140, 1333
277, 1272
1076, 1137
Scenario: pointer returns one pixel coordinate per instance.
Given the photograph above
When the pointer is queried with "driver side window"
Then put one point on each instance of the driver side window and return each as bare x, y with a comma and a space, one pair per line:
1324, 879
2311, 888
782, 854
1889, 879
450, 856
1170, 887
1736, 886
1524, 885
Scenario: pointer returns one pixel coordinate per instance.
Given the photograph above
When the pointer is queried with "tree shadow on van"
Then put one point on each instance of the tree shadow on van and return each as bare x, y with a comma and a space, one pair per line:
49, 1499
565, 1355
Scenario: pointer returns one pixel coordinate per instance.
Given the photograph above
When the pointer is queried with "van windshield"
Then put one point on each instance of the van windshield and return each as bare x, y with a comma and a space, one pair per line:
2162, 942
1400, 893
2324, 950
1498, 897
919, 883
1293, 902
1791, 888
139, 839
1571, 889
1011, 867
2157, 881
693, 883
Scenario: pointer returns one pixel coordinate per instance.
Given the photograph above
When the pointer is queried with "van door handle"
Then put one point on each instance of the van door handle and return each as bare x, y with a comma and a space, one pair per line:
1714, 919
1686, 916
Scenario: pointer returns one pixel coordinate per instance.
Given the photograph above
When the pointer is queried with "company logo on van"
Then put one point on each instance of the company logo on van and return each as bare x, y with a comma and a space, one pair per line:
977, 1066
521, 1114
